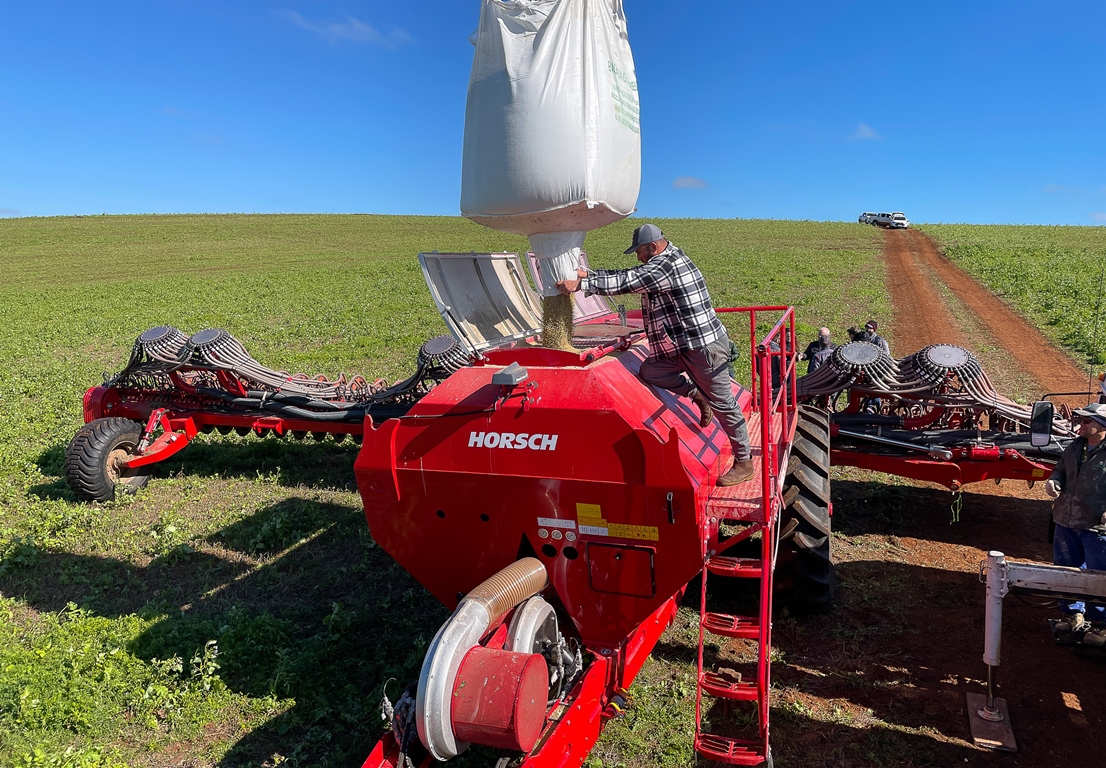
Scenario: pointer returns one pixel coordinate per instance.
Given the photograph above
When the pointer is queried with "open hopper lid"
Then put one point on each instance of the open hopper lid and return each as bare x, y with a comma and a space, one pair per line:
484, 298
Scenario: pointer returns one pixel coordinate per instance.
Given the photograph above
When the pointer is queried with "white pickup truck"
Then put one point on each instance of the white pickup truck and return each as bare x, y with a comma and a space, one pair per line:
895, 220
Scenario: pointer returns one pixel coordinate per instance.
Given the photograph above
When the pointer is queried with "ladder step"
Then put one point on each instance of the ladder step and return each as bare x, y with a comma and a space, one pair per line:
723, 749
724, 686
732, 626
742, 567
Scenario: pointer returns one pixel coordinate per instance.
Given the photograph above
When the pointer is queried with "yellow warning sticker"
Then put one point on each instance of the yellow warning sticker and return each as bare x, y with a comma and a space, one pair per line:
640, 532
1038, 473
591, 522
588, 512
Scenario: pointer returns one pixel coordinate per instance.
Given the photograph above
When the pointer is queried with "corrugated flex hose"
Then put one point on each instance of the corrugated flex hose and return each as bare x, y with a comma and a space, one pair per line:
507, 588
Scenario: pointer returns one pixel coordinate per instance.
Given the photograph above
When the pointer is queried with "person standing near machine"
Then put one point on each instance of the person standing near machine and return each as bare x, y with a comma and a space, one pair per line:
689, 348
819, 350
1078, 485
869, 334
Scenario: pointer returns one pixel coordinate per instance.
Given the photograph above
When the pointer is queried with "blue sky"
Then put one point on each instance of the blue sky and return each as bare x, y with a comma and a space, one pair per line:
984, 112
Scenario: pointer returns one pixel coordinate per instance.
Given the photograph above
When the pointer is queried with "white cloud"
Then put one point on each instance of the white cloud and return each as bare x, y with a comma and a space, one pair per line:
865, 131
1099, 217
352, 30
689, 182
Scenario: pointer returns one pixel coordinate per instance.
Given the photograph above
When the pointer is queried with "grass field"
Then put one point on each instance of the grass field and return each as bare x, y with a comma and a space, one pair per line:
1054, 276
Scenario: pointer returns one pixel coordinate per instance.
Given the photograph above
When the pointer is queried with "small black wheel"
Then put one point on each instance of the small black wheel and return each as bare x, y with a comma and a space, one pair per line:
95, 459
805, 572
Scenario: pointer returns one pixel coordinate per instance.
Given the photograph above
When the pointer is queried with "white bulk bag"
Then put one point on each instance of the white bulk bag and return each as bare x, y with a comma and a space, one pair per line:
552, 145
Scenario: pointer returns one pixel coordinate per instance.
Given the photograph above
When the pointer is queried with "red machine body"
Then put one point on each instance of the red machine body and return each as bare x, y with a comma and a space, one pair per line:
611, 484
601, 477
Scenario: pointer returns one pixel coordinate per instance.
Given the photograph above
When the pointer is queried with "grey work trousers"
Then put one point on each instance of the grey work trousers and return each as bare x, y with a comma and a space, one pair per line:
708, 369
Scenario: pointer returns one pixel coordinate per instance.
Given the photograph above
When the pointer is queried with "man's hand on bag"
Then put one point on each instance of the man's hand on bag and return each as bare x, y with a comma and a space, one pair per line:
568, 287
1052, 490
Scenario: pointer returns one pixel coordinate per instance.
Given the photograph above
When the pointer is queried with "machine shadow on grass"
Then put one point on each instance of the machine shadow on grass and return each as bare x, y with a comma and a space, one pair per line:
292, 463
303, 606
982, 521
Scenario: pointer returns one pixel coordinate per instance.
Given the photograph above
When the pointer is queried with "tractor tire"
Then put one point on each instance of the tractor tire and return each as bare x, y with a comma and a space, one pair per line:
94, 459
805, 575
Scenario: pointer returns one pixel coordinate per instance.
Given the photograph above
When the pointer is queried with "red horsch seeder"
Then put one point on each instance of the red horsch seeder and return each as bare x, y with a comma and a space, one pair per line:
558, 502
560, 505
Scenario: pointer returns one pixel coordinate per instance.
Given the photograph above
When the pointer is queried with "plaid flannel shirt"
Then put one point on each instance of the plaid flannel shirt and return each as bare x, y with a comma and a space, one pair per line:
674, 300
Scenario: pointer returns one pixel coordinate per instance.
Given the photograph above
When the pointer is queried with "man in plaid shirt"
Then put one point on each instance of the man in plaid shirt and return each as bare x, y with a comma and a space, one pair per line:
689, 348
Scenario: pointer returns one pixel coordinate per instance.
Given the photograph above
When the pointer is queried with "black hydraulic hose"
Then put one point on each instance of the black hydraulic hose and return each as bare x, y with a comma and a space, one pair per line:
302, 400
351, 414
851, 419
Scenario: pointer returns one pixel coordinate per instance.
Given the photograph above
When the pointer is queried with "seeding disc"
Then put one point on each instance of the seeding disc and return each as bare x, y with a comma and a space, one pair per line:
858, 353
157, 333
207, 336
947, 355
438, 346
443, 352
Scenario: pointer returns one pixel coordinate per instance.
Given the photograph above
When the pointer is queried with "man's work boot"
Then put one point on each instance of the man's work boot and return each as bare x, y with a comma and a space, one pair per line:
739, 473
1075, 623
706, 413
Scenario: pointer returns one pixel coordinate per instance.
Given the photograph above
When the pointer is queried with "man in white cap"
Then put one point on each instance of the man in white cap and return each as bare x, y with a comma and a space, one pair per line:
689, 348
819, 350
1078, 484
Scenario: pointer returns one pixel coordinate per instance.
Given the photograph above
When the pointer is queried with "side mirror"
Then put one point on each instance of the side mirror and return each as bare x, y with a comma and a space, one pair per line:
1040, 423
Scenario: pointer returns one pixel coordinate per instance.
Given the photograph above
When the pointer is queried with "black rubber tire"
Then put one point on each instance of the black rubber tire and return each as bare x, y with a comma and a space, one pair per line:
94, 455
805, 577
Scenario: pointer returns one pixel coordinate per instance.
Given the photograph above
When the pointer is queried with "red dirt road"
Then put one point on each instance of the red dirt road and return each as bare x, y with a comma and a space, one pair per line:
914, 262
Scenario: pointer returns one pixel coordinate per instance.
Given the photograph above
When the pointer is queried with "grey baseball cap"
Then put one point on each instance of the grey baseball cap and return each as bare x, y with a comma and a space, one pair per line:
1096, 411
646, 233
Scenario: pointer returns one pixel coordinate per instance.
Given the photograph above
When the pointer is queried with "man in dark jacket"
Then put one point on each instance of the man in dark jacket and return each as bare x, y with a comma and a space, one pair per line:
819, 350
869, 334
1078, 484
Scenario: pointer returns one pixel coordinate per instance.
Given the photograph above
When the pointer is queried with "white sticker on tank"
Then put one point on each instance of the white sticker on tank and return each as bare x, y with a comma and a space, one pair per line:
552, 522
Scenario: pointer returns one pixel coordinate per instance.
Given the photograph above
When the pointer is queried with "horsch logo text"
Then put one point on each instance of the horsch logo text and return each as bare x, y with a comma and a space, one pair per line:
512, 440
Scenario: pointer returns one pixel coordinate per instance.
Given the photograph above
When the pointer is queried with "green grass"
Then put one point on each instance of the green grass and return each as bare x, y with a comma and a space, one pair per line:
1054, 276
237, 612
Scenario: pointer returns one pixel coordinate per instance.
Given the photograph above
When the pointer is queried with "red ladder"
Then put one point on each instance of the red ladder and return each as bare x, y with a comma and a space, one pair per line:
723, 684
